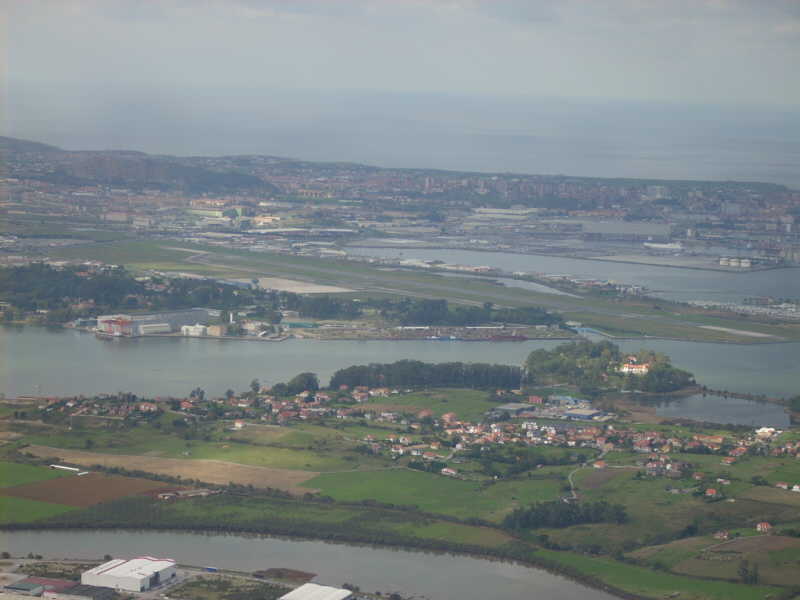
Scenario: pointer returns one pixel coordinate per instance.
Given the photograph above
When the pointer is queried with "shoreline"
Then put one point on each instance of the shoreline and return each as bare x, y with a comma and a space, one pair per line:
253, 338
572, 256
594, 331
586, 580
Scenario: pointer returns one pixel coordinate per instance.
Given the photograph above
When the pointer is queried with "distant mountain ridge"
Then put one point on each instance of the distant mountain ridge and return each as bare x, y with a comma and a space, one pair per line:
9, 144
34, 160
233, 173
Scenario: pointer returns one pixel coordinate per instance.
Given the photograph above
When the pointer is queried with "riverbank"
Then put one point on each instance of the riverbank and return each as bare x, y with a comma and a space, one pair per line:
436, 576
622, 259
191, 581
610, 314
603, 575
46, 362
431, 334
700, 406
426, 333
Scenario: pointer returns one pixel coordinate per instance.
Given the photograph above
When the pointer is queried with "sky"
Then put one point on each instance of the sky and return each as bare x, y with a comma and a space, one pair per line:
470, 80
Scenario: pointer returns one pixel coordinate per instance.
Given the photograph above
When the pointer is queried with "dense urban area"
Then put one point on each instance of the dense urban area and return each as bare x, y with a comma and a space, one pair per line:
262, 202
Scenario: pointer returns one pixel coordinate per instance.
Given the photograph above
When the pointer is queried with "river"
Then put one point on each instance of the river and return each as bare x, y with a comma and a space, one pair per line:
719, 409
668, 282
67, 362
423, 574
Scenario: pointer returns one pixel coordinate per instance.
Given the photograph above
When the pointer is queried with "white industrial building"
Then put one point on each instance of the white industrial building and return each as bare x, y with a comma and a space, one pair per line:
144, 324
312, 591
196, 330
134, 575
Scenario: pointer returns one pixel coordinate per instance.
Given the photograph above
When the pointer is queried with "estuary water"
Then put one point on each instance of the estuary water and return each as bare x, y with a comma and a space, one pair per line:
38, 361
421, 574
668, 282
719, 409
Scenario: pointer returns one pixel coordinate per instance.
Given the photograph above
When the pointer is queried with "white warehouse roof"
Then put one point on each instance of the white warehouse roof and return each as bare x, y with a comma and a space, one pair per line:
141, 566
312, 591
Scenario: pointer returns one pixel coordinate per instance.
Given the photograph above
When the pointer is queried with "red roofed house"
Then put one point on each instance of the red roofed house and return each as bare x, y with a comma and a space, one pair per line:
635, 369
763, 527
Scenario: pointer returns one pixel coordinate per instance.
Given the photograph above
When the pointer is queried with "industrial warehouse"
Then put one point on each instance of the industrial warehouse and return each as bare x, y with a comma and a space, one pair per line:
312, 591
145, 324
117, 578
134, 575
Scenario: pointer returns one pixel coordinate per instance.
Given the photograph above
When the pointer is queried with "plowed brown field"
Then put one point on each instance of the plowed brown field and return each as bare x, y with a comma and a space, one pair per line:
207, 471
83, 491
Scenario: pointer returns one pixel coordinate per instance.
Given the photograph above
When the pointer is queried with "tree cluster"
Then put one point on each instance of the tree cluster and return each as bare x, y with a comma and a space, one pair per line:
413, 311
323, 307
414, 373
564, 514
665, 378
591, 365
433, 466
40, 286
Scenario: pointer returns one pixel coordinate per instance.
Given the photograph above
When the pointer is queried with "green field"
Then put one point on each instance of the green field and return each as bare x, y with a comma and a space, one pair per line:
435, 493
12, 474
469, 405
777, 557
668, 555
654, 584
277, 515
22, 510
291, 449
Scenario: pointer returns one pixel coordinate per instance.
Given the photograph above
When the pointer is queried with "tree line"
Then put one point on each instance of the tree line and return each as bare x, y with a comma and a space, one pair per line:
39, 286
414, 373
557, 513
420, 311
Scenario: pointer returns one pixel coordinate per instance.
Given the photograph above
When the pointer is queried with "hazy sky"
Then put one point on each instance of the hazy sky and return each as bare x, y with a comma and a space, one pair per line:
121, 72
678, 50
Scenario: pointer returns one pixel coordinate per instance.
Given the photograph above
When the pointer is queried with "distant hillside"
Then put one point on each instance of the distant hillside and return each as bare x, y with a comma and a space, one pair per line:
250, 173
32, 160
9, 144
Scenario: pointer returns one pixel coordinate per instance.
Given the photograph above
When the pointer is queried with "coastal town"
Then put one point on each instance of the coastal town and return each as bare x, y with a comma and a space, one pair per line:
278, 205
559, 421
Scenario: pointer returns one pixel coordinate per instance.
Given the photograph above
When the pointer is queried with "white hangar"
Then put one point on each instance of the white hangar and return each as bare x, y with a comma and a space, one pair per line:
133, 575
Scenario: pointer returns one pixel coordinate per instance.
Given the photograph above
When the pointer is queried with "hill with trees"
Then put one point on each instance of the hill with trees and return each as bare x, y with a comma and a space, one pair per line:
593, 366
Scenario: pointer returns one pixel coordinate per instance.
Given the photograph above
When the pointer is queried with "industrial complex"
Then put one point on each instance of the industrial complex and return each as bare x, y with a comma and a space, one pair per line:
134, 575
144, 324
119, 578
